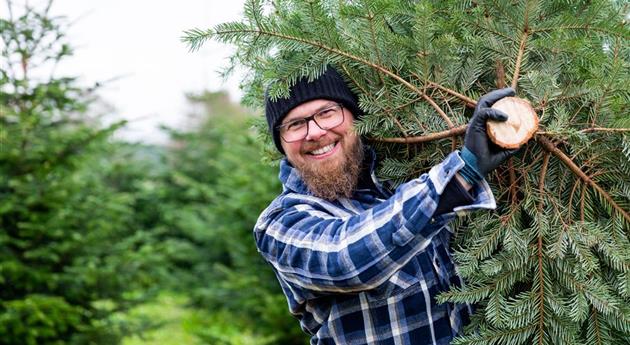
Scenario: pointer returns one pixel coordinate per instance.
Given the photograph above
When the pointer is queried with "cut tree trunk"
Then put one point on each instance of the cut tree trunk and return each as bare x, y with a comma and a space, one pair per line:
520, 126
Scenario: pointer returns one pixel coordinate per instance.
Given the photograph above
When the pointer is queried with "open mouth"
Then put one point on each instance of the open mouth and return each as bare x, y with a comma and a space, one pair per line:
323, 151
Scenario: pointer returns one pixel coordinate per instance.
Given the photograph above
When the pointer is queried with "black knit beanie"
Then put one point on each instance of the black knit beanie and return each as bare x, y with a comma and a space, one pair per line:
329, 85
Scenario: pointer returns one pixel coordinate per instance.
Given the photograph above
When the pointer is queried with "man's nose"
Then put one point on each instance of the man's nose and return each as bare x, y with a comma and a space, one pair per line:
314, 131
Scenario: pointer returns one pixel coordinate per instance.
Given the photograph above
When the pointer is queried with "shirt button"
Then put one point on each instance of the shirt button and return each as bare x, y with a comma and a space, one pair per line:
432, 221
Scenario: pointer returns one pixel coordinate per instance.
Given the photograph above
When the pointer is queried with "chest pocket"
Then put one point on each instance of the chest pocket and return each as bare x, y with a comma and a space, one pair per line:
405, 281
429, 266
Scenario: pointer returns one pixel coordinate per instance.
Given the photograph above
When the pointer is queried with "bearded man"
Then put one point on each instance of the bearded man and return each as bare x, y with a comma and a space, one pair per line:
359, 263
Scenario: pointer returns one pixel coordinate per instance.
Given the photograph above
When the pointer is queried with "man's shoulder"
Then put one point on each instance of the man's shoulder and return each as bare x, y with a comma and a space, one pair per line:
297, 203
268, 213
283, 202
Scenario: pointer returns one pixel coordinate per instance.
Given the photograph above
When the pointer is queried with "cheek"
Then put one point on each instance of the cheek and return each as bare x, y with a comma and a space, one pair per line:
347, 126
292, 150
347, 131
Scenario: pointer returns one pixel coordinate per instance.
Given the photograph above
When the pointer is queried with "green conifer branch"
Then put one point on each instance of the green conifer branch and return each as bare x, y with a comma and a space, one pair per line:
604, 303
580, 27
595, 323
379, 61
347, 73
196, 38
315, 18
496, 336
492, 31
522, 44
541, 183
460, 130
490, 242
469, 102
438, 109
513, 187
570, 203
477, 291
585, 130
541, 277
608, 86
549, 146
582, 203
444, 116
519, 58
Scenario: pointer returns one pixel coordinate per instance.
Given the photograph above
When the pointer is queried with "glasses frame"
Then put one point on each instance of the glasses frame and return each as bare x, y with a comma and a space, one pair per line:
308, 120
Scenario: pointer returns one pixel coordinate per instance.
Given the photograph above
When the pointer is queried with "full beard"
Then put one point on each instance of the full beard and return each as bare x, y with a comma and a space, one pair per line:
332, 181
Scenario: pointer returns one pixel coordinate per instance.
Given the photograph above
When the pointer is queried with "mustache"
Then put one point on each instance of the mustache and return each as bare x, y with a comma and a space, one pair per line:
318, 145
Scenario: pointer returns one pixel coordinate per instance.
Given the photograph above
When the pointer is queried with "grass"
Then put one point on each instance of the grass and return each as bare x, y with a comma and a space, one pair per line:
177, 322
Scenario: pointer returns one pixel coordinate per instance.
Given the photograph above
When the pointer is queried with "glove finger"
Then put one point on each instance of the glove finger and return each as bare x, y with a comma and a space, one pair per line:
496, 115
490, 98
488, 113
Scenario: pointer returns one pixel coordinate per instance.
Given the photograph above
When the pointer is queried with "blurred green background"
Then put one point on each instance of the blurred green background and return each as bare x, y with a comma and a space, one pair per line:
107, 242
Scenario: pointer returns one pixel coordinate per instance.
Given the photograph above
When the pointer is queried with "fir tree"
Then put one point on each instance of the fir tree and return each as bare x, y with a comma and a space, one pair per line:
204, 205
552, 264
72, 254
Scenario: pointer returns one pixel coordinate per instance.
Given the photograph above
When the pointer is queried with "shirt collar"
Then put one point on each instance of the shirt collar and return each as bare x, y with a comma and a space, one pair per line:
291, 179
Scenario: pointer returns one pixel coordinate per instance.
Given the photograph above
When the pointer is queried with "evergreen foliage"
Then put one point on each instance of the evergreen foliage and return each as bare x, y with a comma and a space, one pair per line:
552, 265
90, 227
71, 253
203, 206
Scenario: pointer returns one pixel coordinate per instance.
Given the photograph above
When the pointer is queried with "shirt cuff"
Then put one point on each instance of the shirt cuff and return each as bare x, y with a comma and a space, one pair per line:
454, 195
481, 193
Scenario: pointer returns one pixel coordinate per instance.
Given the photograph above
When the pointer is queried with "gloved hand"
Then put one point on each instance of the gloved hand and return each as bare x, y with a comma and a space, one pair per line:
480, 154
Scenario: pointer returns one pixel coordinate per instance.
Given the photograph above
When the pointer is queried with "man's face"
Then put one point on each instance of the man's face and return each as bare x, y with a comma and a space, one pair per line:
328, 160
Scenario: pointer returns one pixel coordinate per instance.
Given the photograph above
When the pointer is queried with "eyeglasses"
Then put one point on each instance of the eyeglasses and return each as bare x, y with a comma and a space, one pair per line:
325, 119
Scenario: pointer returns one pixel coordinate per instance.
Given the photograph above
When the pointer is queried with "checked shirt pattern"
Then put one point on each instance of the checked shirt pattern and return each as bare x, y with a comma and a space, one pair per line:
366, 270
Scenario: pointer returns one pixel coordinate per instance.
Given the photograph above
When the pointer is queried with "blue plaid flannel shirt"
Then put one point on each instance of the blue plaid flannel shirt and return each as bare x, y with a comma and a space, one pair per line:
366, 270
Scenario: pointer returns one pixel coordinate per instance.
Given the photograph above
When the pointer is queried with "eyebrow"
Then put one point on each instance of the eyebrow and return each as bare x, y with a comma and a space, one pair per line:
327, 105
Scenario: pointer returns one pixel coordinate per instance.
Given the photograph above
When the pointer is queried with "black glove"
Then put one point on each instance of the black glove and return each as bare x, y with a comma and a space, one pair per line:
480, 154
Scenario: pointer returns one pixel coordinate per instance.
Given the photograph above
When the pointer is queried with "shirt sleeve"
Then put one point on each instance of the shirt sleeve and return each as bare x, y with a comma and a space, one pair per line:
319, 251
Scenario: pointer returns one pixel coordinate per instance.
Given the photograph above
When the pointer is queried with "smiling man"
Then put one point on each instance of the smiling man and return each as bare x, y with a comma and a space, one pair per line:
328, 154
359, 263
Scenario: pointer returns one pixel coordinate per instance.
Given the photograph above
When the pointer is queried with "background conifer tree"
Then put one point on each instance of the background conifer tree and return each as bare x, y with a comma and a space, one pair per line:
552, 264
72, 254
203, 206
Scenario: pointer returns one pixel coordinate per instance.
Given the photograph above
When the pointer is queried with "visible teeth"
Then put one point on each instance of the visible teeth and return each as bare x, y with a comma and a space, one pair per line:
323, 149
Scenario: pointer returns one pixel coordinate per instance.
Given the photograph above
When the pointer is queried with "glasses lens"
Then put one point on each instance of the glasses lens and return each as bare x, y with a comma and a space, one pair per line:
329, 118
325, 119
294, 131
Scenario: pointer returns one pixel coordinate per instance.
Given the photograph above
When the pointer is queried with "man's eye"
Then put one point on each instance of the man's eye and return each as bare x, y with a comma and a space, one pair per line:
296, 125
326, 113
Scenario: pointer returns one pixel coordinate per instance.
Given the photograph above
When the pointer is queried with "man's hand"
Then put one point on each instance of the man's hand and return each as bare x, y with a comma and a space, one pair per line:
479, 153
